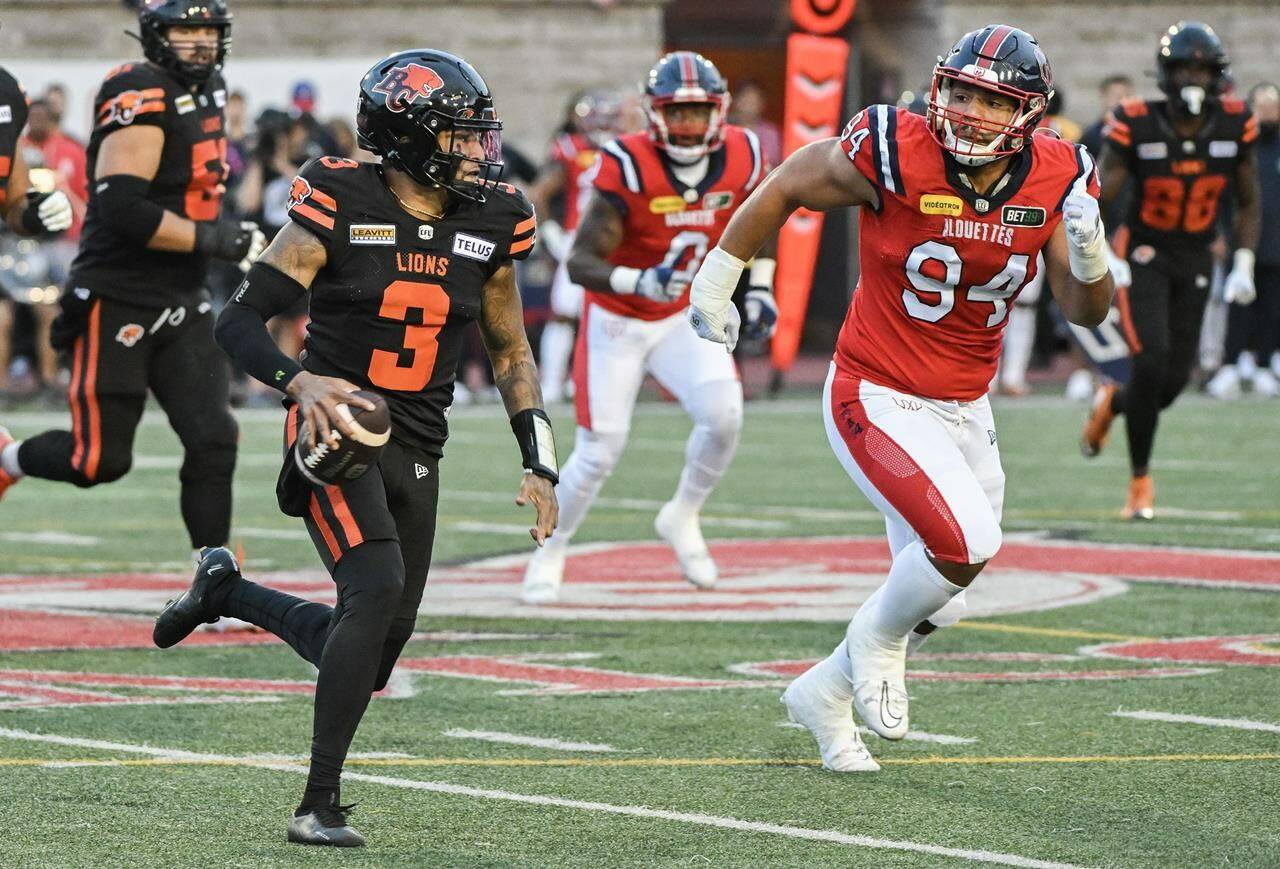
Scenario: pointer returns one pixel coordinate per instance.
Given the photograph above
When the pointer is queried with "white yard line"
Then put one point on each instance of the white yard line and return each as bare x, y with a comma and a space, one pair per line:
1174, 718
533, 741
52, 538
830, 836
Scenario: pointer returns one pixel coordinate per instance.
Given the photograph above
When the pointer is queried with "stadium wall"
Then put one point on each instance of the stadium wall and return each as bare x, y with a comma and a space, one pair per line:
534, 53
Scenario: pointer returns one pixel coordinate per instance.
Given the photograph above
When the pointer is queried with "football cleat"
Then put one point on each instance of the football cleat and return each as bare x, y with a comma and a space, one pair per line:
543, 575
680, 528
1098, 425
1225, 384
324, 825
1141, 504
6, 479
1265, 383
819, 700
193, 607
879, 681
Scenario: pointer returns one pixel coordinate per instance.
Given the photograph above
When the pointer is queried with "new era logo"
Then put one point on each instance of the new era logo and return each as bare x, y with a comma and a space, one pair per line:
420, 471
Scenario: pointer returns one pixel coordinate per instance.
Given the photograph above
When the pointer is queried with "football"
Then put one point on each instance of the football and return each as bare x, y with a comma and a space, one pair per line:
324, 465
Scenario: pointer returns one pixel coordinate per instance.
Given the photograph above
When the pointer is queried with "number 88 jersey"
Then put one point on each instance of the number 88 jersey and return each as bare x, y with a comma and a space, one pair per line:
666, 222
940, 265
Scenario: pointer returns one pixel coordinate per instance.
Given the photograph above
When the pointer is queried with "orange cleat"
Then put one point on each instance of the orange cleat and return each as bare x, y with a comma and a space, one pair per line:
1141, 504
1098, 425
6, 479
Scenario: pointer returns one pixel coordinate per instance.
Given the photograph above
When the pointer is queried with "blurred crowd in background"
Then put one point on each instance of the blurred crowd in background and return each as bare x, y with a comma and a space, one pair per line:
1238, 352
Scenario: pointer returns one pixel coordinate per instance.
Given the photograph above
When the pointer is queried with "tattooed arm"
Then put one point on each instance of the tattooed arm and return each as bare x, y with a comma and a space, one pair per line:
516, 376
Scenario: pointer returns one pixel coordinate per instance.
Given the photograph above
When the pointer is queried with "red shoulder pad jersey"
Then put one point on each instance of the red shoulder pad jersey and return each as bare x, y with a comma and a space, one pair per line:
665, 222
940, 266
576, 154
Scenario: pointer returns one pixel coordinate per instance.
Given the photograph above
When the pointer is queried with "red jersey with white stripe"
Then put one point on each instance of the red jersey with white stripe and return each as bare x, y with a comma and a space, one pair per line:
665, 221
940, 265
576, 153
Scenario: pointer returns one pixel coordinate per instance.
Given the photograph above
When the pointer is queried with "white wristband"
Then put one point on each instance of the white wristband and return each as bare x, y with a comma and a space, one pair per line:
624, 280
1088, 262
715, 281
1243, 261
762, 269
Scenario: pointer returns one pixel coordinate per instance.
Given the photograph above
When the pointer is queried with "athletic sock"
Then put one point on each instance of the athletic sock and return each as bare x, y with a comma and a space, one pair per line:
553, 358
914, 591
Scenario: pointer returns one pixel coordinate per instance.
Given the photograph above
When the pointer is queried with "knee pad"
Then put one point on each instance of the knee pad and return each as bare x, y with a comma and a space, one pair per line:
717, 406
400, 632
599, 451
213, 455
370, 578
111, 467
983, 539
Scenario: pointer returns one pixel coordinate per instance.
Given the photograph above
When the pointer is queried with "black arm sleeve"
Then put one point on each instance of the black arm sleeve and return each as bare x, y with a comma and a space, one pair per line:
123, 201
242, 326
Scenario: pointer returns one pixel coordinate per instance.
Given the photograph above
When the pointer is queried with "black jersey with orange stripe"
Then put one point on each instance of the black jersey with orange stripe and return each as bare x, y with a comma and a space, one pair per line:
13, 117
1180, 180
189, 181
390, 308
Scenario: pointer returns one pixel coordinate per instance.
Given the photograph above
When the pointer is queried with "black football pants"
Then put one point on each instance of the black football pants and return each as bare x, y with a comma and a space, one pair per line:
375, 535
117, 352
1165, 308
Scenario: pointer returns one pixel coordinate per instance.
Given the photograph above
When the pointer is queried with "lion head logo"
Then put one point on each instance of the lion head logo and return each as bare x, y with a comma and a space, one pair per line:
299, 190
404, 85
130, 334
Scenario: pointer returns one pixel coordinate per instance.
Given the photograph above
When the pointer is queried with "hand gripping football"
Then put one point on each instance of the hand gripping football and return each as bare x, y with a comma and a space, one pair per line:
324, 465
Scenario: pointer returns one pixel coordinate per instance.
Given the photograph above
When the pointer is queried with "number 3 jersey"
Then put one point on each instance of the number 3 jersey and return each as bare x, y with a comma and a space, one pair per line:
390, 307
1181, 180
940, 265
188, 181
667, 222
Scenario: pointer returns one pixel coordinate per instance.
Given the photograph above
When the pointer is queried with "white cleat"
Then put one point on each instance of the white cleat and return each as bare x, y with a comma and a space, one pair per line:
879, 682
543, 575
680, 528
820, 704
1265, 383
1225, 385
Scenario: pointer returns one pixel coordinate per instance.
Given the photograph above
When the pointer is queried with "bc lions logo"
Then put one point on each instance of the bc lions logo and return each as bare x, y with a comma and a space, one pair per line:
124, 108
298, 191
403, 85
130, 334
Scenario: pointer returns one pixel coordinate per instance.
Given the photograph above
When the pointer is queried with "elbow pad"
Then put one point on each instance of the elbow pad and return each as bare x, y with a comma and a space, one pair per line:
123, 201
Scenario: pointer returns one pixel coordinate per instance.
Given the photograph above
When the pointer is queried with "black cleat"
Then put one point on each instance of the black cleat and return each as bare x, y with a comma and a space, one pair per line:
182, 616
324, 825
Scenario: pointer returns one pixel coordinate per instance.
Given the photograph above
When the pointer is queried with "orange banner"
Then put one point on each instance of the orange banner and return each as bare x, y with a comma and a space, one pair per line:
823, 17
815, 91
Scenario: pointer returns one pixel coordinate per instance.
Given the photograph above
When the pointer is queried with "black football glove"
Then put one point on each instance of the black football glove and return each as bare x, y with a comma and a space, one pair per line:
232, 240
47, 213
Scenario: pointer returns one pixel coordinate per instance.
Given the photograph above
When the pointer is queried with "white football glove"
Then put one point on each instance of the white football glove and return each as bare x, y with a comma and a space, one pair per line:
1120, 271
722, 330
1238, 288
712, 314
1086, 241
257, 244
54, 212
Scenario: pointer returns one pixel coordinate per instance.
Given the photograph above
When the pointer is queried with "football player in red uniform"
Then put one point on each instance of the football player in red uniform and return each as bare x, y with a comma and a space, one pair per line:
956, 206
661, 200
1184, 153
566, 173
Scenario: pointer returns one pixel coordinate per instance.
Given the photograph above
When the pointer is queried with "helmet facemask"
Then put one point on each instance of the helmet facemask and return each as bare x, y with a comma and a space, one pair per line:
162, 49
710, 134
429, 155
1007, 138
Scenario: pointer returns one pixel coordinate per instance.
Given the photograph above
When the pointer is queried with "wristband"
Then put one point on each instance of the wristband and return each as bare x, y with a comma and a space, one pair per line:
532, 428
624, 280
762, 269
715, 281
1243, 261
1089, 263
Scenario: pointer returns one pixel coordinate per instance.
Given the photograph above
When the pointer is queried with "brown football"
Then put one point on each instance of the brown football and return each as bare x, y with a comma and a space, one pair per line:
324, 465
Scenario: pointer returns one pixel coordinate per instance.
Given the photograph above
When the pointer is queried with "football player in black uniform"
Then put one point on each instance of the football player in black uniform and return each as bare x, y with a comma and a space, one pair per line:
135, 314
399, 258
1184, 153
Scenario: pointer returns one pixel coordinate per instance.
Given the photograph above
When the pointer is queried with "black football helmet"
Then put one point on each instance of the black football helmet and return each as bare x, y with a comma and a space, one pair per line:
155, 17
1188, 43
682, 78
997, 58
408, 99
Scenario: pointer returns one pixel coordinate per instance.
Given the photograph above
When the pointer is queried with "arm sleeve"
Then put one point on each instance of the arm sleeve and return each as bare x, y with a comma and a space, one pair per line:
314, 205
241, 330
13, 118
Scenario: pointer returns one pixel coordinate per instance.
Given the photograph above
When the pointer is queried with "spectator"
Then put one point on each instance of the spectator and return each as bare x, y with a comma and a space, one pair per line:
1113, 90
1259, 324
303, 106
747, 110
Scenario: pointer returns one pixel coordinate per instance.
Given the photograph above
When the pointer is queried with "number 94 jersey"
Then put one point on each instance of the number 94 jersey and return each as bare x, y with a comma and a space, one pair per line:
390, 307
666, 222
940, 265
